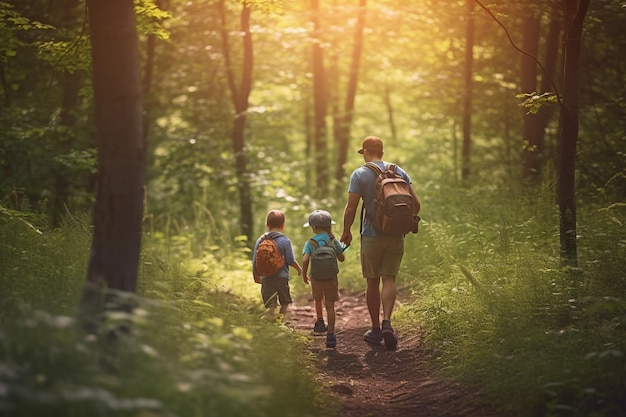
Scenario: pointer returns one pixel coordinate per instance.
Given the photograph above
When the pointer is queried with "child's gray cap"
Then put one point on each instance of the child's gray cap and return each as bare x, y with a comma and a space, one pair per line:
319, 218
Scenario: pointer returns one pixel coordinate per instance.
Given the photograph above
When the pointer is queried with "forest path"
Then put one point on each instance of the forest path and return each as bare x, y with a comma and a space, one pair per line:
372, 381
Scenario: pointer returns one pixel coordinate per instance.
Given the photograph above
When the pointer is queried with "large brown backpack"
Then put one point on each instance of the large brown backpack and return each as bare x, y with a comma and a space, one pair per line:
394, 202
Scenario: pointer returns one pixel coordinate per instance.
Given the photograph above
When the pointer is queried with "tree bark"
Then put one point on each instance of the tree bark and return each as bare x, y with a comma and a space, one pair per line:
148, 74
552, 55
240, 96
320, 106
345, 122
575, 12
467, 95
113, 264
71, 83
535, 124
390, 114
533, 144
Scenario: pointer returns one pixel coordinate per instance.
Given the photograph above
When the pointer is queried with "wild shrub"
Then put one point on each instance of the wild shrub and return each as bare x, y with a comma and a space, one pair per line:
502, 312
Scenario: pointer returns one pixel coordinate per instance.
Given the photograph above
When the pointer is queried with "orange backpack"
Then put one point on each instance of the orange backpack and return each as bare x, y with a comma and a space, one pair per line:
268, 259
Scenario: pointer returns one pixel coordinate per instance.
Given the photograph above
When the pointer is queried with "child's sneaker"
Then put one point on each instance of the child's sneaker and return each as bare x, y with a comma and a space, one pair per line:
331, 340
320, 327
391, 341
373, 337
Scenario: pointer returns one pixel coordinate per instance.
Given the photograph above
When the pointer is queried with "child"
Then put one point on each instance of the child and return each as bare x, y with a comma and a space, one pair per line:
326, 289
275, 288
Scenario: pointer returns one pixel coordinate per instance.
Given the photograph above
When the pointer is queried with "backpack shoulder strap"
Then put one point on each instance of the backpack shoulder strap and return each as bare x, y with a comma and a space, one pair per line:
271, 235
373, 167
314, 243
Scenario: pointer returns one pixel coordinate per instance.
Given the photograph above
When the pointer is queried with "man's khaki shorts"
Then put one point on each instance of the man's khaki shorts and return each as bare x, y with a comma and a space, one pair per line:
381, 255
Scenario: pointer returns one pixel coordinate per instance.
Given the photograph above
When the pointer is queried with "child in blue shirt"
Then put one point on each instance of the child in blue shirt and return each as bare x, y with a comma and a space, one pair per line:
326, 290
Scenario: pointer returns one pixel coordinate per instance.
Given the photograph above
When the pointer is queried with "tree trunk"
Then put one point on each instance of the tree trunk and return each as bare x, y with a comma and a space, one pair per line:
533, 143
148, 74
545, 113
240, 96
390, 114
320, 106
345, 122
575, 11
70, 83
112, 270
467, 96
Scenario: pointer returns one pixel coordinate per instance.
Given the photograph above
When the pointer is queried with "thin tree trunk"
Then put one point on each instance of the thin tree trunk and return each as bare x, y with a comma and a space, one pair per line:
390, 114
575, 12
148, 75
113, 265
467, 96
240, 96
343, 137
70, 83
320, 105
533, 145
552, 55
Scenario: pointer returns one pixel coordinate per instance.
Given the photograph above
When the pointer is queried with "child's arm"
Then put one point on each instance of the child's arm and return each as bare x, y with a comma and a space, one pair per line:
305, 267
339, 251
296, 266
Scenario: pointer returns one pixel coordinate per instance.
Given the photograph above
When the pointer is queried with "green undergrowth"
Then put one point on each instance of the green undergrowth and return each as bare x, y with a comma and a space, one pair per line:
499, 311
195, 348
488, 290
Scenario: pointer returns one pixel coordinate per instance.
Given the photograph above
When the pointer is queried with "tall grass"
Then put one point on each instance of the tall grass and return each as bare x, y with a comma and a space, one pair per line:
501, 312
490, 294
196, 349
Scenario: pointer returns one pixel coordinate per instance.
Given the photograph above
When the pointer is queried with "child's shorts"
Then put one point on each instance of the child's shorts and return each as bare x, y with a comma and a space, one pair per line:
328, 289
275, 290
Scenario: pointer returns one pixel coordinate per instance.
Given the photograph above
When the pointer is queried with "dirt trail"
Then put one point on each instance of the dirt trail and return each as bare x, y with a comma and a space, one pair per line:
372, 381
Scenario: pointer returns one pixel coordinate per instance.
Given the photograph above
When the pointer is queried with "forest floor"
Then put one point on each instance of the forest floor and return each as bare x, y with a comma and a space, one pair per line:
373, 381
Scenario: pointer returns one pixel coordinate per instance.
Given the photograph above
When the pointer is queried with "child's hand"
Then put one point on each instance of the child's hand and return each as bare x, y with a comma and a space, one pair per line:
306, 279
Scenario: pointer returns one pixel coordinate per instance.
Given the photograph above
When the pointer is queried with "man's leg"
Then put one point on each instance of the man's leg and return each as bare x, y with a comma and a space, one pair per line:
388, 295
372, 297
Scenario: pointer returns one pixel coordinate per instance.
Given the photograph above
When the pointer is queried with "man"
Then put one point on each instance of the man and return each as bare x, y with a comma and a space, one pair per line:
381, 254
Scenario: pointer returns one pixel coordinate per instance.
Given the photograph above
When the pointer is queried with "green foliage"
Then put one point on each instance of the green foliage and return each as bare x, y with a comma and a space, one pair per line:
494, 301
266, 6
500, 311
195, 348
150, 19
533, 102
11, 24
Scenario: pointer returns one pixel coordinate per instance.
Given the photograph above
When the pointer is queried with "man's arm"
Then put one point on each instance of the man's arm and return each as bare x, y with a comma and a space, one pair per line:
349, 214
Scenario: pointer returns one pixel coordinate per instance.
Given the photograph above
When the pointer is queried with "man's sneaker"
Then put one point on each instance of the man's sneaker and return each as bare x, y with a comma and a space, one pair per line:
391, 341
373, 337
331, 340
320, 327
